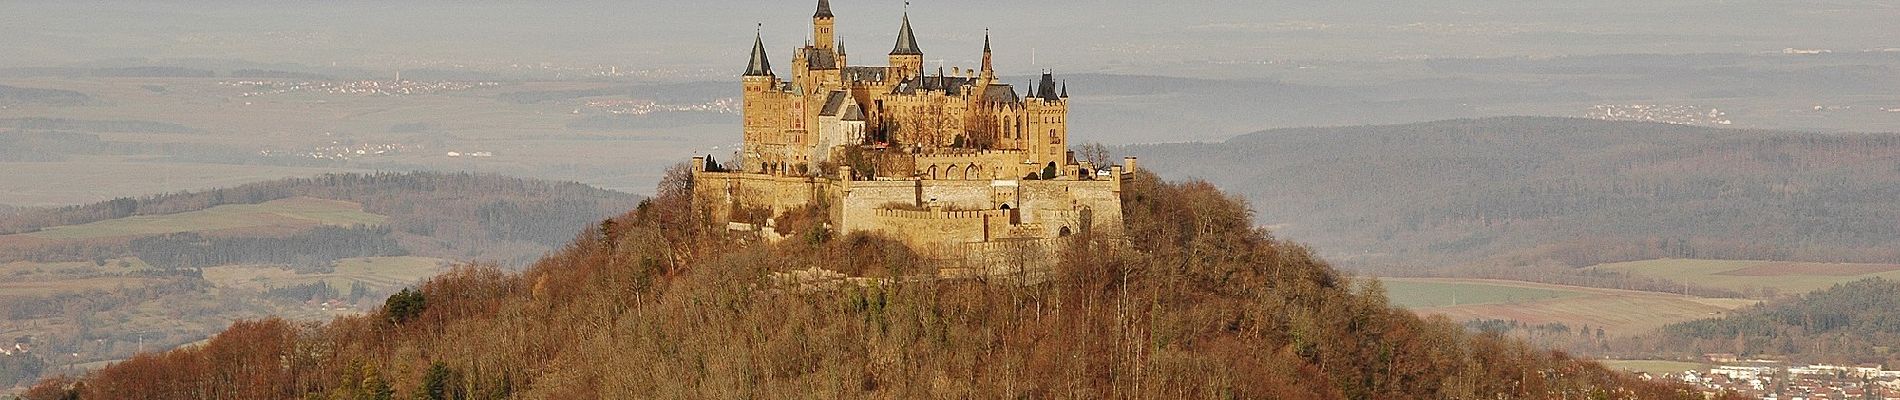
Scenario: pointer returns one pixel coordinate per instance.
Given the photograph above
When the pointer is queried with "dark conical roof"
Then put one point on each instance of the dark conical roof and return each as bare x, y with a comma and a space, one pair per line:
824, 9
1047, 88
986, 41
906, 41
760, 64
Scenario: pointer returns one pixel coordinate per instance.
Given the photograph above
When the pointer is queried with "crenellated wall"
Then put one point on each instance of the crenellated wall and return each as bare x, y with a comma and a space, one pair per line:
940, 218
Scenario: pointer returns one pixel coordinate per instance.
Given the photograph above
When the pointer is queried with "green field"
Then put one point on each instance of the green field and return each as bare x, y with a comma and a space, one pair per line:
296, 212
1426, 294
1655, 367
1616, 311
1753, 277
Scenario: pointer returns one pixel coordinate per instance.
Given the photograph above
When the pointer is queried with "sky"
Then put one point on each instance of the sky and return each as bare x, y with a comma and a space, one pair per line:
1079, 36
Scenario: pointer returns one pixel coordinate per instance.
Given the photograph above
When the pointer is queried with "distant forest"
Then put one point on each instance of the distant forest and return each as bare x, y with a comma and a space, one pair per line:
16, 94
1524, 191
446, 215
1856, 322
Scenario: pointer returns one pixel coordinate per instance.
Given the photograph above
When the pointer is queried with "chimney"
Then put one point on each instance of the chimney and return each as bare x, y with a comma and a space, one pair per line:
1129, 162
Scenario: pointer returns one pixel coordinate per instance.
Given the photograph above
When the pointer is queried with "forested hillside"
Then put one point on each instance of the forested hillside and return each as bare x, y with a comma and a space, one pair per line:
96, 283
1856, 322
653, 304
1526, 191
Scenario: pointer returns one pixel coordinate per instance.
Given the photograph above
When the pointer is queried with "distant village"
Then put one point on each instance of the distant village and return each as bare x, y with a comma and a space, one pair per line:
1668, 114
399, 87
1771, 380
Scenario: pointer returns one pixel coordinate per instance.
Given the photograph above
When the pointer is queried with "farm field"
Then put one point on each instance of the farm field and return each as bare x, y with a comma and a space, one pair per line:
1784, 278
1654, 367
1615, 311
378, 273
1417, 294
295, 213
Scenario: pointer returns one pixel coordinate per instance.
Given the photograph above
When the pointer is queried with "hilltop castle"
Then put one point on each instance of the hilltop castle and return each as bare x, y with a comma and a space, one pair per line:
953, 163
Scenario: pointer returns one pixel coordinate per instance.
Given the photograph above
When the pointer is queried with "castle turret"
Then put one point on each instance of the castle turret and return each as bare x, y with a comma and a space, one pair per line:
760, 66
906, 56
821, 26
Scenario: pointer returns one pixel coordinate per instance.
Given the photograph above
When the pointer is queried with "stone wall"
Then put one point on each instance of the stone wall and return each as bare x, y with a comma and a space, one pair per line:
968, 220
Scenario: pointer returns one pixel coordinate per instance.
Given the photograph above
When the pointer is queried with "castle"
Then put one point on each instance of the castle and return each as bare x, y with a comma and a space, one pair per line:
956, 164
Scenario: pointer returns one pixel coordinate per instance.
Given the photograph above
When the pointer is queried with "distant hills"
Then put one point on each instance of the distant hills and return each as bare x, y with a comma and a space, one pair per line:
95, 283
1574, 192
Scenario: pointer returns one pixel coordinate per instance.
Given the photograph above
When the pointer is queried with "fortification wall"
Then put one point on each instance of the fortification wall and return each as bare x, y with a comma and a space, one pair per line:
721, 192
942, 219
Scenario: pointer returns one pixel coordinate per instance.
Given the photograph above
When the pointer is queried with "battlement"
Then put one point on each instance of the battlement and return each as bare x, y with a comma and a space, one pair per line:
942, 214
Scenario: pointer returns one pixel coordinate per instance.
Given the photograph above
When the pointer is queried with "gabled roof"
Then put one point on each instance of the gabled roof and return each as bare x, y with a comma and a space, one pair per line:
760, 65
852, 112
906, 41
834, 104
1001, 93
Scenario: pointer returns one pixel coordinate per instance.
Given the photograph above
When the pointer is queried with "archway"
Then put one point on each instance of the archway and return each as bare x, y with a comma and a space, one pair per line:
953, 172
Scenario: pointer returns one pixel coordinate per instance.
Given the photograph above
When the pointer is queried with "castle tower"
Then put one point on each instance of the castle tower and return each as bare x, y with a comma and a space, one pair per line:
760, 86
821, 26
906, 56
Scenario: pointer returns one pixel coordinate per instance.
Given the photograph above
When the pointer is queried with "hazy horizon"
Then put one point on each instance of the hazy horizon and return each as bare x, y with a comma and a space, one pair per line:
1157, 38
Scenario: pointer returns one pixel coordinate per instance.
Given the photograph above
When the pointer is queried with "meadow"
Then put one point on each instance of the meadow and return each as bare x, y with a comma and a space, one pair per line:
1615, 311
1761, 278
287, 214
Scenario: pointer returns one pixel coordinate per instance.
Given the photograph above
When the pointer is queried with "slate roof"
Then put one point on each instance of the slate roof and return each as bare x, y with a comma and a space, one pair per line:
1001, 93
834, 104
760, 64
864, 74
817, 58
906, 41
952, 85
1047, 89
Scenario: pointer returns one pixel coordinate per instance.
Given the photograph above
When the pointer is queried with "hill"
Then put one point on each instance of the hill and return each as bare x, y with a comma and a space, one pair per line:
1531, 191
1855, 322
653, 304
99, 282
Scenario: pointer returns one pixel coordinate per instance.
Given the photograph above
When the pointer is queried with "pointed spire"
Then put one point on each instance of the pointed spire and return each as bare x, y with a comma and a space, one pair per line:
906, 41
760, 65
989, 69
824, 9
1065, 88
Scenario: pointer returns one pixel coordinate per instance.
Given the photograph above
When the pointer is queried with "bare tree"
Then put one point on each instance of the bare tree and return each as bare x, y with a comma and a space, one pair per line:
1094, 153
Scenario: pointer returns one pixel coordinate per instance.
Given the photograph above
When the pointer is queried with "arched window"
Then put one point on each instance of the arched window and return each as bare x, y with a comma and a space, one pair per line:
933, 172
952, 173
